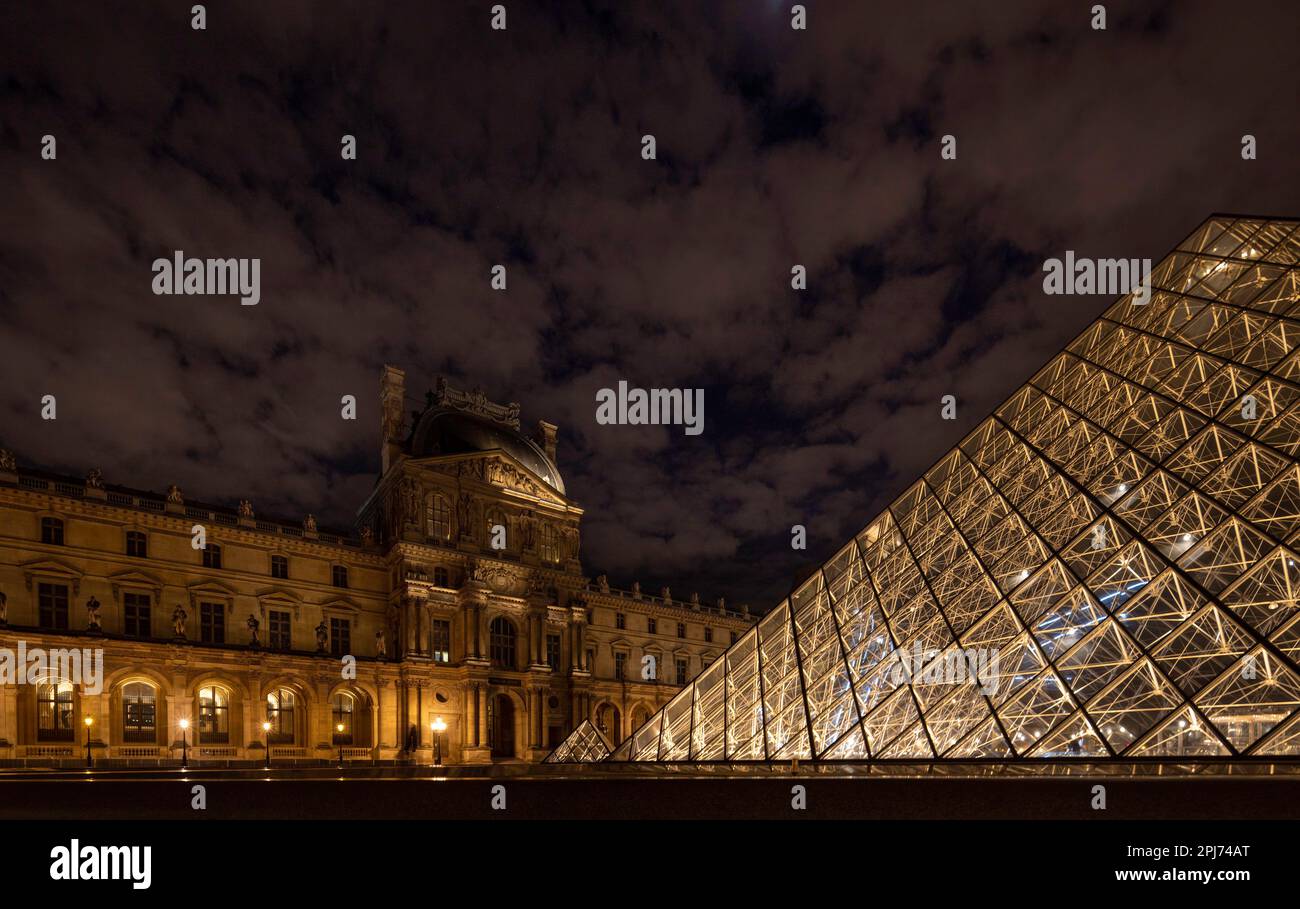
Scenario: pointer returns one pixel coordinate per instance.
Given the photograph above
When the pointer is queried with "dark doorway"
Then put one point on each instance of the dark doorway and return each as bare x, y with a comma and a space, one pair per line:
503, 727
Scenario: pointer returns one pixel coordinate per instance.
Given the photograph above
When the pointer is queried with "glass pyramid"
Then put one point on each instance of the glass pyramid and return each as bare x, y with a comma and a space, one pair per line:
1106, 567
584, 745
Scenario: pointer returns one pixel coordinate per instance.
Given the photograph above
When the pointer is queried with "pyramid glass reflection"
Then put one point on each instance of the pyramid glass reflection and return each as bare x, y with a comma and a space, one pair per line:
584, 745
1111, 555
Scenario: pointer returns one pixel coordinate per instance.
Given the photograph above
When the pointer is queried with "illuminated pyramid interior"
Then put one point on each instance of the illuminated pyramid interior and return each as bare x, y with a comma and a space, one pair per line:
584, 745
1118, 540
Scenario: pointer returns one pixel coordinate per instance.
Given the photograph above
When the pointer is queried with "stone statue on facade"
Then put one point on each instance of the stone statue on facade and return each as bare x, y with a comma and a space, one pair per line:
695, 600
7, 460
636, 590
92, 616
179, 615
174, 495
381, 645
95, 479
309, 523
666, 594
322, 636
602, 583
254, 626
411, 492
245, 509
367, 535
462, 514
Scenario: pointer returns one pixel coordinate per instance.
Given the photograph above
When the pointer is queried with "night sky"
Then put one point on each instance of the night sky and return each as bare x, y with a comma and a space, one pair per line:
477, 147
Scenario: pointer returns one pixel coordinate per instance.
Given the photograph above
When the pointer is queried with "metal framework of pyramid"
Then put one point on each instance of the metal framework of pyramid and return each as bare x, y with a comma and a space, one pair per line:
1105, 568
584, 745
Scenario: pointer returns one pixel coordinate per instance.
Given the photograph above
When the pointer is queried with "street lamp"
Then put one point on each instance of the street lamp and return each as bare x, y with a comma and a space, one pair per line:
185, 725
339, 729
438, 727
266, 732
89, 721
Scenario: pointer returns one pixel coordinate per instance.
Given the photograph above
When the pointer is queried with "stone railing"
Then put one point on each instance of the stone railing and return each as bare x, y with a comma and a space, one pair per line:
644, 597
193, 512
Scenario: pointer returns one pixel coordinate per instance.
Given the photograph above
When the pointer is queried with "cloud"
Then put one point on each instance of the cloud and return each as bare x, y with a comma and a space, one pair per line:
475, 148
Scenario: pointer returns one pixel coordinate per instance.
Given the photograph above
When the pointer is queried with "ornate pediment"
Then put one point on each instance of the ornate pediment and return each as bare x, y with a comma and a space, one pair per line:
137, 579
52, 570
495, 468
212, 590
508, 474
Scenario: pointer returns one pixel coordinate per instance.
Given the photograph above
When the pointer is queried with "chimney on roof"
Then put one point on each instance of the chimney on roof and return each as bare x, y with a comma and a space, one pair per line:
545, 436
392, 415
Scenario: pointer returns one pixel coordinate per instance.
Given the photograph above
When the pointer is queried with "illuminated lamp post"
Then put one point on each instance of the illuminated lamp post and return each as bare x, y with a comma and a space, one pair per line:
185, 726
89, 721
266, 738
438, 727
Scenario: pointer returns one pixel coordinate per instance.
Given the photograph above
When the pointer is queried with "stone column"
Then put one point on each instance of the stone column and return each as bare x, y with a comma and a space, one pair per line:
9, 714
471, 716
482, 715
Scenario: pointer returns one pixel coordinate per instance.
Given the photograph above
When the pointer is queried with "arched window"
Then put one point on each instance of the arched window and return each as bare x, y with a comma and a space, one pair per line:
342, 707
54, 711
550, 544
279, 713
438, 517
214, 715
608, 721
497, 518
139, 713
501, 642
640, 716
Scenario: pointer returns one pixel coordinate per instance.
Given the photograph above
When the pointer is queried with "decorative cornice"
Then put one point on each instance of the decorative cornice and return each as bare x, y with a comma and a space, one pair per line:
475, 403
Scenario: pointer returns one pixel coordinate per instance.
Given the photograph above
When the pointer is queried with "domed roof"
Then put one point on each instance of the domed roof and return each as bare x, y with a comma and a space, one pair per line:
451, 432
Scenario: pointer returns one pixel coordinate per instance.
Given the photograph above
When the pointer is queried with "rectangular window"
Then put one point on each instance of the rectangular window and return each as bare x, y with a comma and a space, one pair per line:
708, 635
136, 615
279, 635
340, 637
212, 556
279, 567
553, 651
681, 629
137, 544
681, 672
53, 602
212, 623
620, 620
440, 640
734, 637
339, 576
52, 531
652, 626
620, 665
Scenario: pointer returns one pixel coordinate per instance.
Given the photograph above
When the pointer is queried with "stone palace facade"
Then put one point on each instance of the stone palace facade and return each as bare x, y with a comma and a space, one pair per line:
457, 601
